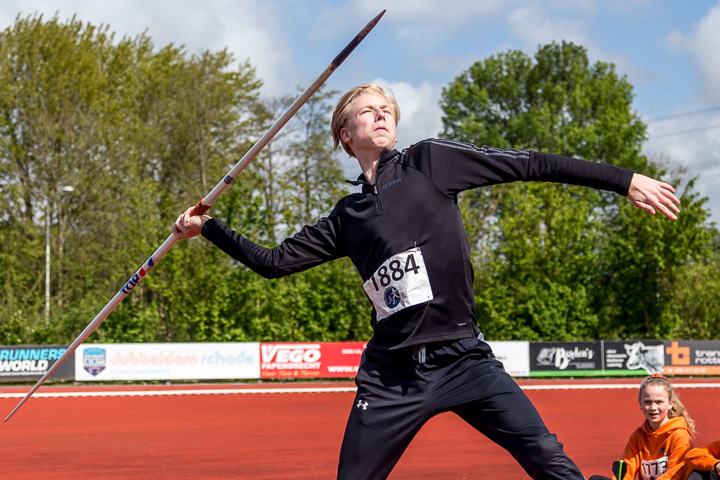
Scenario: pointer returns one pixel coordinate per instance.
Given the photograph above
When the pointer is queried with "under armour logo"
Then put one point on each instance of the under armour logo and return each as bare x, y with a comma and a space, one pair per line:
362, 404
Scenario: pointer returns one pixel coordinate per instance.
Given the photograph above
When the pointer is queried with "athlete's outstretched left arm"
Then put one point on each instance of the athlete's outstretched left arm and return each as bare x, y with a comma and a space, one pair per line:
650, 195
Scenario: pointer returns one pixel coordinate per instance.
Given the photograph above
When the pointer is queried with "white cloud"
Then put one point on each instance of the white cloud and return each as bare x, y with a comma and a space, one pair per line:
541, 23
250, 32
535, 25
694, 140
247, 28
689, 138
703, 44
689, 141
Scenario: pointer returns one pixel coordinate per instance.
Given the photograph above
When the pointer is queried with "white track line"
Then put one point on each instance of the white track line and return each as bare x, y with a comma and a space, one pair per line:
207, 391
599, 386
247, 391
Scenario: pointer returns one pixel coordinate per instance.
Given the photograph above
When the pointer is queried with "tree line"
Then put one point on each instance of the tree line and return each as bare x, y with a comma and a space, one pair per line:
140, 132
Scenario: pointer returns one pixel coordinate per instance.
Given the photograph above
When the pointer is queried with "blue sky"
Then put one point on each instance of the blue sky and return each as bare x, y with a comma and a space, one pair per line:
667, 49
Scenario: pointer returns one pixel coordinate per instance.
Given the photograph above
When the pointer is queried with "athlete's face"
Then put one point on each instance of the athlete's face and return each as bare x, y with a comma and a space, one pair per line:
655, 405
371, 126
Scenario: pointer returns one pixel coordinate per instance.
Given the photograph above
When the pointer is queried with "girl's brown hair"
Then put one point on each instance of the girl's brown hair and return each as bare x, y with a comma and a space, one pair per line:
678, 409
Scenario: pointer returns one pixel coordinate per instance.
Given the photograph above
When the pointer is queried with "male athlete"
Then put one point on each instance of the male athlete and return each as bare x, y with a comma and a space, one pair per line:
404, 234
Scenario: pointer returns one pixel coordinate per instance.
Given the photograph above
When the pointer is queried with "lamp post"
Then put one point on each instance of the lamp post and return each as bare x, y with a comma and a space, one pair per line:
47, 250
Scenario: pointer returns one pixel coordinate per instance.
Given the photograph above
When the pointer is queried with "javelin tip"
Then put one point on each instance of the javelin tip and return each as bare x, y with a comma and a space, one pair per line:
356, 41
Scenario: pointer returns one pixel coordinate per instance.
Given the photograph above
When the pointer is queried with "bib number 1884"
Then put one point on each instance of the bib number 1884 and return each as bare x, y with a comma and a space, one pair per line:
400, 282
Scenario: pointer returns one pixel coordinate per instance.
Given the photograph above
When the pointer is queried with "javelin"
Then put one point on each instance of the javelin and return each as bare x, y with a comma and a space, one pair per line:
205, 204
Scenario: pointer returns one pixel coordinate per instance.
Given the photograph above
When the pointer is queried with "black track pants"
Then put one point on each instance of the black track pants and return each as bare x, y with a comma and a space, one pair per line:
397, 394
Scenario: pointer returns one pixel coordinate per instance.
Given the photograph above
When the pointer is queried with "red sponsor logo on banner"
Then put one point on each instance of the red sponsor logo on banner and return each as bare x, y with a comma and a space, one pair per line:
290, 360
310, 360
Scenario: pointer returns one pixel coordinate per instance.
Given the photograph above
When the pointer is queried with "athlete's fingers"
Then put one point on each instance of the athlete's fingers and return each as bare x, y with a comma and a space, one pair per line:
651, 195
187, 226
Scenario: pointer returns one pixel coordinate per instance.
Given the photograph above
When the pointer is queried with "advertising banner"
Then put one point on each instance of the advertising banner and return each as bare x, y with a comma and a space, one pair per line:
571, 359
699, 357
310, 360
31, 362
633, 357
167, 361
515, 357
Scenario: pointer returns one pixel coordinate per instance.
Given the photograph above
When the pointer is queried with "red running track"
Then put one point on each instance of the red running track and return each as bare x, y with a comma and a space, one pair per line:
227, 431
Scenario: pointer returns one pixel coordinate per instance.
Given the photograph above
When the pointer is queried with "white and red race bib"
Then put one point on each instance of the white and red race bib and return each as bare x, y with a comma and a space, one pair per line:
400, 282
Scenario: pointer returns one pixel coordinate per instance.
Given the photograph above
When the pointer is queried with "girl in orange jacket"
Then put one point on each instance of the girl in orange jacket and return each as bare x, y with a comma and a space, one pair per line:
656, 450
705, 461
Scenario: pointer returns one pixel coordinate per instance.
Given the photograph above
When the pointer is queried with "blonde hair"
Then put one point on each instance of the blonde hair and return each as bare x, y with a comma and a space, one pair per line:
678, 409
341, 115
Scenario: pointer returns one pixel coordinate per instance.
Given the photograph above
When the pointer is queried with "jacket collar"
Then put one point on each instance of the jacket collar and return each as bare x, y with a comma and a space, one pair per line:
385, 157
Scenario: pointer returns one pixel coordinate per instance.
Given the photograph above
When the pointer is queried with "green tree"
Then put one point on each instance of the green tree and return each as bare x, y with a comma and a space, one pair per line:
644, 270
201, 114
693, 312
137, 132
51, 134
313, 180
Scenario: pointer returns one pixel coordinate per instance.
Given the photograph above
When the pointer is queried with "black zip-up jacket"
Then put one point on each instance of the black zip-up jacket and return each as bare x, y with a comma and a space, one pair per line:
413, 203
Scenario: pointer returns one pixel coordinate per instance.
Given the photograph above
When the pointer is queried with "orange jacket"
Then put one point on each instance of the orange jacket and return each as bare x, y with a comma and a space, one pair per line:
659, 454
703, 458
